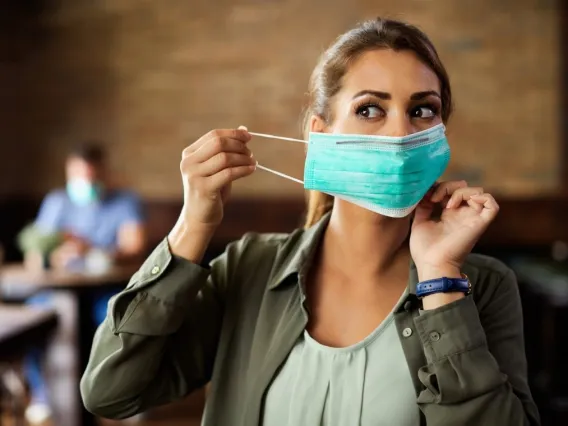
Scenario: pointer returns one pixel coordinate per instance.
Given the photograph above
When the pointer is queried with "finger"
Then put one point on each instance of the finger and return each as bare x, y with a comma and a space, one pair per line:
222, 161
428, 195
461, 195
228, 175
239, 134
446, 189
490, 206
423, 212
216, 146
475, 205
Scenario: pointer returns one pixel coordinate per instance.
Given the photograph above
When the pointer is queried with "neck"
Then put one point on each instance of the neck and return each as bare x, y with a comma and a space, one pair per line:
359, 240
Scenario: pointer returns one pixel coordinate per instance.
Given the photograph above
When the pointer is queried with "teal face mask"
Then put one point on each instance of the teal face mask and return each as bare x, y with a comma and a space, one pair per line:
387, 175
82, 192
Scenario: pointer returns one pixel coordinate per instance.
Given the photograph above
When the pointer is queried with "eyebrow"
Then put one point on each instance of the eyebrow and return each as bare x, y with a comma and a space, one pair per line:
387, 96
421, 95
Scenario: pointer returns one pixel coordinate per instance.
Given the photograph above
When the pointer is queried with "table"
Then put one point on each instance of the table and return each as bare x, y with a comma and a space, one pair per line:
14, 277
79, 289
20, 329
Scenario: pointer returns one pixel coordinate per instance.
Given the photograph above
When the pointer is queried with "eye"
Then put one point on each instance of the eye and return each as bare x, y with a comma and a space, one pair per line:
424, 111
369, 111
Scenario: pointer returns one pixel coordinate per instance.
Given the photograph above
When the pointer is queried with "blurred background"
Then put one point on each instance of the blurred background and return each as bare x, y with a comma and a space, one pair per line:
147, 78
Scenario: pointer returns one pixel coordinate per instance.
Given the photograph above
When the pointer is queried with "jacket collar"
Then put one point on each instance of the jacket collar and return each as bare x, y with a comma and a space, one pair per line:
297, 253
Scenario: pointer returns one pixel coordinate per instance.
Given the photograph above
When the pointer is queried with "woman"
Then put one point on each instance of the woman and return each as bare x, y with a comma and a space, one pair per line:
329, 325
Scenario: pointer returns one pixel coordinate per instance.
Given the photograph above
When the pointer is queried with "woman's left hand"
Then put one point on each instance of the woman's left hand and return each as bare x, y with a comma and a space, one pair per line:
440, 247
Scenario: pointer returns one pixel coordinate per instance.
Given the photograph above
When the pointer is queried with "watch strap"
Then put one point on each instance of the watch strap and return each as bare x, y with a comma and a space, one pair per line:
443, 285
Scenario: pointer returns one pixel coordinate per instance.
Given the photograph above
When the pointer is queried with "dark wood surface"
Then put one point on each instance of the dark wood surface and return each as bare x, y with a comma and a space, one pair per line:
83, 290
564, 90
14, 276
534, 222
22, 328
521, 223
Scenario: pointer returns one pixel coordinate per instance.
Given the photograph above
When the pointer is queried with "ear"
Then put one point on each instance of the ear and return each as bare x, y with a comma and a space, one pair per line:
317, 124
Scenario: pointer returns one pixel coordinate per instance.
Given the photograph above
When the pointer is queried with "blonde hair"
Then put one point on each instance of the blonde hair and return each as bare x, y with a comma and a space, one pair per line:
327, 76
319, 204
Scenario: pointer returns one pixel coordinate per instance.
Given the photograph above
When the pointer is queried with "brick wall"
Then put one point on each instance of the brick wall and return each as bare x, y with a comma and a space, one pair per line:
149, 77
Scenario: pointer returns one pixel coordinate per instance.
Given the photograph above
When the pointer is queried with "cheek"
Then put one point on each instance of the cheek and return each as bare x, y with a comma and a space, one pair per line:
74, 172
91, 175
350, 123
81, 173
346, 121
343, 125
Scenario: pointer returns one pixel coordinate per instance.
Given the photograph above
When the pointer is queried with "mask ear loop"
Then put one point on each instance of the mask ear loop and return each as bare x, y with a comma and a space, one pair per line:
264, 135
266, 169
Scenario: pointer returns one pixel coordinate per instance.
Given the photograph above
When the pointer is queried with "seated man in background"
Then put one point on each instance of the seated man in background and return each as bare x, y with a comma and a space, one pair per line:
88, 226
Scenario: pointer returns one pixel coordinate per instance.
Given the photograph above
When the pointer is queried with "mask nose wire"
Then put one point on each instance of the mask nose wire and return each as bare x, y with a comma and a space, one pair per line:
266, 169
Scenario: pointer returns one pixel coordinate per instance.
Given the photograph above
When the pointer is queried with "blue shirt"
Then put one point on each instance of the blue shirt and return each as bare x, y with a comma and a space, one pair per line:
98, 223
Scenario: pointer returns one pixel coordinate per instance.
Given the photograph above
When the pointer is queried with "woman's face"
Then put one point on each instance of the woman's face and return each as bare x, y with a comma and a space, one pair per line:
385, 93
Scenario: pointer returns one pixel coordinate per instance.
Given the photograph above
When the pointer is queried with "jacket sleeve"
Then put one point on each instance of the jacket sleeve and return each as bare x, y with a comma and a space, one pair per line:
476, 372
160, 336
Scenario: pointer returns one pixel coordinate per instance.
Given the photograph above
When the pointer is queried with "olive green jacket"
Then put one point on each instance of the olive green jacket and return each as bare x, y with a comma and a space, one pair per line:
178, 326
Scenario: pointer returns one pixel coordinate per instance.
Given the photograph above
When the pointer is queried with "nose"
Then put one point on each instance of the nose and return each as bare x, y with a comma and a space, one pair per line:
398, 124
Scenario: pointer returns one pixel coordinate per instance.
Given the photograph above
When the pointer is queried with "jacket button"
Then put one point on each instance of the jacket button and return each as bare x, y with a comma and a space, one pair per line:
407, 332
434, 336
155, 270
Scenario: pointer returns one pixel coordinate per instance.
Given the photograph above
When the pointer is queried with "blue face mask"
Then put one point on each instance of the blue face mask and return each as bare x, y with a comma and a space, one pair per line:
387, 175
82, 192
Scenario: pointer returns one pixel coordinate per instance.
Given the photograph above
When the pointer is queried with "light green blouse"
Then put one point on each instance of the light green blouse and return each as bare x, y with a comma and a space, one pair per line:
178, 326
366, 384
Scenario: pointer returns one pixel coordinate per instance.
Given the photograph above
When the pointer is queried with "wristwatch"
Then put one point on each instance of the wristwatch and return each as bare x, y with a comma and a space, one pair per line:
444, 285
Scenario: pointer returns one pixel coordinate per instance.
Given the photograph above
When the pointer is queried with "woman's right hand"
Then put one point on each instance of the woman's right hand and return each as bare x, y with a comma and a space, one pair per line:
208, 168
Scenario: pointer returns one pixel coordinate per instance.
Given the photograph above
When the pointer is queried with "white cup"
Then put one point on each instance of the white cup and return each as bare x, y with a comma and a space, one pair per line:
97, 262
